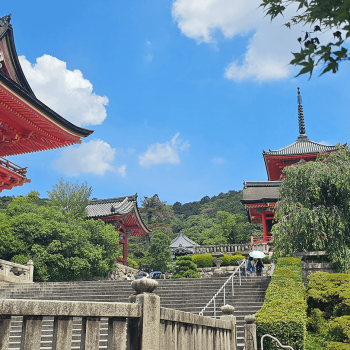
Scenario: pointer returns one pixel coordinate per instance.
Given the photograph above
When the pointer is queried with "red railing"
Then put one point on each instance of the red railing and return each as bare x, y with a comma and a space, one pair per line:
13, 167
260, 239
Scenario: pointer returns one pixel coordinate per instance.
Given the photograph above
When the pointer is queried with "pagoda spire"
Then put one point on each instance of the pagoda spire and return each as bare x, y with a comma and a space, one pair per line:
301, 115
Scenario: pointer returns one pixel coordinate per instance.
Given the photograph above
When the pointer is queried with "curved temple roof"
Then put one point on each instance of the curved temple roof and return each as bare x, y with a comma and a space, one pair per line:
121, 209
301, 146
27, 124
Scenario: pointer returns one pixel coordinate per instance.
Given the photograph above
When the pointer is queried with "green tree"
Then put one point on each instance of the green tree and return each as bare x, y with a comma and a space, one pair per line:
320, 16
71, 197
313, 212
159, 254
62, 247
185, 268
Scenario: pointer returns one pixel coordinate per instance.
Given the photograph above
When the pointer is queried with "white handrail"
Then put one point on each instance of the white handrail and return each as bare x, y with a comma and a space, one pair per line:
282, 346
213, 299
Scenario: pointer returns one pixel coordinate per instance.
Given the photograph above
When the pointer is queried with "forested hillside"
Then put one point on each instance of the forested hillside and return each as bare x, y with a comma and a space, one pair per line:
220, 219
217, 220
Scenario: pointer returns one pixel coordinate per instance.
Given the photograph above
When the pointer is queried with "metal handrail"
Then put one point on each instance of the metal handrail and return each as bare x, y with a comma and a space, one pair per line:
282, 346
223, 287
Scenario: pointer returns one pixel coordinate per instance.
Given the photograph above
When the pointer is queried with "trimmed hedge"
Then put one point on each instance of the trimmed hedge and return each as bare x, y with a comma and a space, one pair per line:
339, 329
203, 260
226, 260
283, 314
235, 259
332, 345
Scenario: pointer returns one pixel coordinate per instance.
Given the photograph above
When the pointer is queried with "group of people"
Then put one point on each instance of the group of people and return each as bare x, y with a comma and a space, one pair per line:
255, 268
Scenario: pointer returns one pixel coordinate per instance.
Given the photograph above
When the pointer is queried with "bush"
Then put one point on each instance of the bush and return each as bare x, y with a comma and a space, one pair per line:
316, 322
283, 314
185, 268
337, 346
132, 263
266, 260
237, 252
235, 259
226, 260
203, 260
339, 329
329, 292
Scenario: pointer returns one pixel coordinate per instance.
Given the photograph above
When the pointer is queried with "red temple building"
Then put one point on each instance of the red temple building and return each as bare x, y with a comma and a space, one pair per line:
123, 214
260, 197
26, 124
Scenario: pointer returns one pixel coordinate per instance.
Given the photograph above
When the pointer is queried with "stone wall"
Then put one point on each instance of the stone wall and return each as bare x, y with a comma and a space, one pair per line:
311, 266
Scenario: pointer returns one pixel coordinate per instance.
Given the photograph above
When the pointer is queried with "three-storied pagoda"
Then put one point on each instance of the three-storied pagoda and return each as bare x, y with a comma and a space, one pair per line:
123, 213
260, 197
26, 124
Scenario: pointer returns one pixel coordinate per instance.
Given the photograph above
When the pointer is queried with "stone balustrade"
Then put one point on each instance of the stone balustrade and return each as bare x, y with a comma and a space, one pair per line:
140, 324
230, 248
16, 273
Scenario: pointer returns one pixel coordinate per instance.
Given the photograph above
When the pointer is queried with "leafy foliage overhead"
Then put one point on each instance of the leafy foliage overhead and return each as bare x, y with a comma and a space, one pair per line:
321, 16
314, 208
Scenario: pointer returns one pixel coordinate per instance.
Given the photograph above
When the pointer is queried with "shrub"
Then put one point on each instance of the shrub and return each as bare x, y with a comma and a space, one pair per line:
226, 260
339, 329
337, 346
132, 263
237, 252
266, 260
283, 314
329, 292
203, 260
235, 259
316, 322
185, 268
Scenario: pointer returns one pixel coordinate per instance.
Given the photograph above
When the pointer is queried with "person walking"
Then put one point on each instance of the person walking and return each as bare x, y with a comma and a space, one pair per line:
251, 266
259, 267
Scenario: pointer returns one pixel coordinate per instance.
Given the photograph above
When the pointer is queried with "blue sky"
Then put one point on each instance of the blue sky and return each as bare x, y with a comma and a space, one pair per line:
183, 95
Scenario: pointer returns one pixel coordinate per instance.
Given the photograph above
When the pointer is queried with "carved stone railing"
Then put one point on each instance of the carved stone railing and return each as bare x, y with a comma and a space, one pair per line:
140, 324
230, 248
16, 273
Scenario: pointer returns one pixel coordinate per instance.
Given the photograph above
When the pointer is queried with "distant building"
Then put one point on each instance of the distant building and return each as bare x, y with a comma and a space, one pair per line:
260, 197
181, 245
123, 214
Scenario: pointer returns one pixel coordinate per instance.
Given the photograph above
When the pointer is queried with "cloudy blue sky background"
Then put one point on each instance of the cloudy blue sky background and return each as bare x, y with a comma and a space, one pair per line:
183, 95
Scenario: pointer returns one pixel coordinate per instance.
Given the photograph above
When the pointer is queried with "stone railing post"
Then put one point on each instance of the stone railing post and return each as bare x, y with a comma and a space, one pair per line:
143, 334
228, 311
30, 264
250, 338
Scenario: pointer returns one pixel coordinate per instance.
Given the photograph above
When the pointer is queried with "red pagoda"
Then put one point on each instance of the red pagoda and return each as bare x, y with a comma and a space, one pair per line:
260, 197
123, 213
26, 124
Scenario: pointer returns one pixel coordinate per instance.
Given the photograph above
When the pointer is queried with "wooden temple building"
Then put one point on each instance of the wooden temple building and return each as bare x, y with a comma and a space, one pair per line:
26, 124
123, 214
260, 197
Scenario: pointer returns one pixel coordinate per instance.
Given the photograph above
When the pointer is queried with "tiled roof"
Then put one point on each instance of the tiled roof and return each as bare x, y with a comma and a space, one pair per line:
104, 207
258, 194
301, 146
182, 240
262, 184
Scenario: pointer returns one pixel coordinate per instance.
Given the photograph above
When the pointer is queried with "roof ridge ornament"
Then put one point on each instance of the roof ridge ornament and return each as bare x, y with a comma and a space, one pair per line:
301, 118
5, 20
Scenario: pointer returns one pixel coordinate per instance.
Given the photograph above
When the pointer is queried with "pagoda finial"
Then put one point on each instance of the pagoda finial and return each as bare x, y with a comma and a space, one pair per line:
5, 20
300, 115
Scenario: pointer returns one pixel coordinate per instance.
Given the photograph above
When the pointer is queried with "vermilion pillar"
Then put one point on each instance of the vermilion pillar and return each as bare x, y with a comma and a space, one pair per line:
123, 240
263, 219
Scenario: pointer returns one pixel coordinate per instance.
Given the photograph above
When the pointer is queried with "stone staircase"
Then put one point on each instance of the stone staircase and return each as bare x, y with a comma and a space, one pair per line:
189, 295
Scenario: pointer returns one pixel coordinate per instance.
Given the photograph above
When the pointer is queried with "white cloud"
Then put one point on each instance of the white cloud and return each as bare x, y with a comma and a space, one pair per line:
269, 50
148, 43
164, 153
149, 57
122, 170
218, 160
93, 157
65, 91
